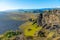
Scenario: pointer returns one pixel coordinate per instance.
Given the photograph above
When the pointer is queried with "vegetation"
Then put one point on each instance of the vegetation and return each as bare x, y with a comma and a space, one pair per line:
44, 27
29, 29
9, 34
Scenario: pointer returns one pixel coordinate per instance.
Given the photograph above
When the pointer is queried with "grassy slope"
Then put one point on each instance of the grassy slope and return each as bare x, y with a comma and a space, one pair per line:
22, 16
19, 17
28, 25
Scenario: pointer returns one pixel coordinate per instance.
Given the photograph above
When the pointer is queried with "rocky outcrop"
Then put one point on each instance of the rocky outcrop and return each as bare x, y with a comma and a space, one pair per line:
49, 19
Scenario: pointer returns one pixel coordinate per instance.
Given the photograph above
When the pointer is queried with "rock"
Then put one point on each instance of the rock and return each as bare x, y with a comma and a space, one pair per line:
49, 18
39, 21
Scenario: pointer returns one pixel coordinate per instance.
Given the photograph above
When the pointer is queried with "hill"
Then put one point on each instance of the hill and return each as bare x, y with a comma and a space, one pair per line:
43, 26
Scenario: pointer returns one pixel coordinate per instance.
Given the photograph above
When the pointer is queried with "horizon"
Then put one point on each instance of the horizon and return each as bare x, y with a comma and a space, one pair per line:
26, 9
28, 4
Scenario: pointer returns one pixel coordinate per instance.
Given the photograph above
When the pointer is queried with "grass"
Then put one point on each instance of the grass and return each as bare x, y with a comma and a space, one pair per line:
23, 17
9, 34
50, 34
29, 29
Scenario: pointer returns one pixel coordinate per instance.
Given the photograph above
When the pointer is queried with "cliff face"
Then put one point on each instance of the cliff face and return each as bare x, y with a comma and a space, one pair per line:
49, 19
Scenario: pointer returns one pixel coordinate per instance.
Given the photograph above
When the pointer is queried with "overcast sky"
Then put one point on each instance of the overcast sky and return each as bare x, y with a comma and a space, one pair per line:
28, 4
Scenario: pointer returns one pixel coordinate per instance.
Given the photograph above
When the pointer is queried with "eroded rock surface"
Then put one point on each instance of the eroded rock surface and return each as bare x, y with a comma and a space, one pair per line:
49, 18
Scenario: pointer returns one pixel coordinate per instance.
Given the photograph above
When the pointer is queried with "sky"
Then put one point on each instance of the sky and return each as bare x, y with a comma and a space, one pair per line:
28, 4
